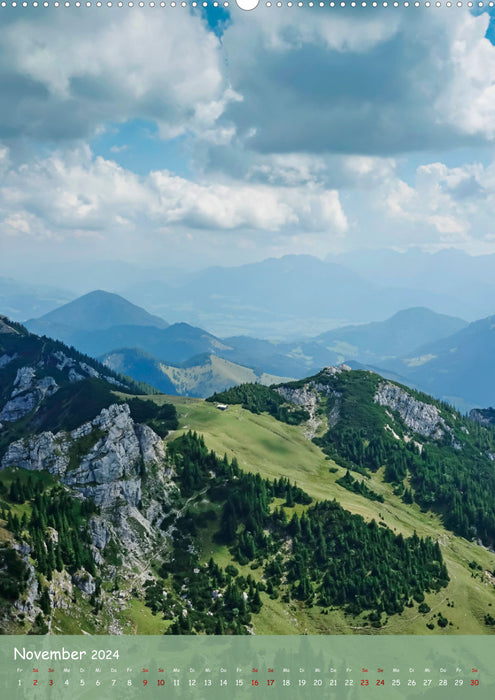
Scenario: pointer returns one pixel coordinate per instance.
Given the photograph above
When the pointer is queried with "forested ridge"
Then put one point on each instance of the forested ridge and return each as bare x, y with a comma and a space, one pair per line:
453, 475
326, 556
258, 398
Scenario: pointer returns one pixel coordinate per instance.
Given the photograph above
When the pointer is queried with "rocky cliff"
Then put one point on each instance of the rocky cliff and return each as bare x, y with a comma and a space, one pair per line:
309, 396
483, 416
422, 418
59, 416
117, 463
32, 384
27, 394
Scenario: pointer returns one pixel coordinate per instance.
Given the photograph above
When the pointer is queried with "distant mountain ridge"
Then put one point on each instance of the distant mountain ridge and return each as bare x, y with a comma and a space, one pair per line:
176, 343
273, 297
100, 324
97, 310
467, 280
367, 344
198, 376
458, 368
407, 329
306, 293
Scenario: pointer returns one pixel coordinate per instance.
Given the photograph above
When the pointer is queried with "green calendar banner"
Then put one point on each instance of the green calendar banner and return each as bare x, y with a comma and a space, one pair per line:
275, 667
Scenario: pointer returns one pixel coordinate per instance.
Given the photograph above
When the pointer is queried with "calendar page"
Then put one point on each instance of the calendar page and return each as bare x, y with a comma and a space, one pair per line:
247, 312
275, 667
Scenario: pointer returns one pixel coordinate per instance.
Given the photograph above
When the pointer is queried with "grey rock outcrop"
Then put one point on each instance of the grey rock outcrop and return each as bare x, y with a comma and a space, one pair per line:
112, 474
90, 371
420, 417
305, 395
84, 581
19, 407
5, 326
77, 370
22, 403
113, 381
41, 452
26, 603
60, 590
100, 533
74, 376
62, 361
110, 471
24, 380
5, 359
482, 416
308, 397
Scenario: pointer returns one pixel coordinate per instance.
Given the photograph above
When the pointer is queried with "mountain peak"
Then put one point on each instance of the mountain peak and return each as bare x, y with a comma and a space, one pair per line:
96, 310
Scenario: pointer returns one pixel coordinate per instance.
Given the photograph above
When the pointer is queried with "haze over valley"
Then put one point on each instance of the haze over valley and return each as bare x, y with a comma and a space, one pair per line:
435, 352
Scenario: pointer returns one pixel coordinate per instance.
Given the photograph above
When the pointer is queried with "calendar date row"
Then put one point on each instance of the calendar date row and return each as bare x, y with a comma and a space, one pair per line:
255, 683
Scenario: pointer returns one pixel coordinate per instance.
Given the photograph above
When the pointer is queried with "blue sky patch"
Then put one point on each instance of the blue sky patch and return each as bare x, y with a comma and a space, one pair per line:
136, 145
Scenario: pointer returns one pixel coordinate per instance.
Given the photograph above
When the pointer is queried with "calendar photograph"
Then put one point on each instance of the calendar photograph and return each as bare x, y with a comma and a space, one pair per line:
247, 334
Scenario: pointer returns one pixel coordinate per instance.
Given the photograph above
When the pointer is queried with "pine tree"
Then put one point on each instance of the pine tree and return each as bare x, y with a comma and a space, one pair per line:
45, 604
295, 526
255, 602
289, 503
408, 497
220, 626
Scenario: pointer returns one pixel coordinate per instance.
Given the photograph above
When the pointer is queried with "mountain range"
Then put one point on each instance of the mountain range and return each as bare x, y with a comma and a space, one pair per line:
199, 376
96, 311
458, 368
467, 280
443, 355
394, 337
276, 298
327, 505
273, 297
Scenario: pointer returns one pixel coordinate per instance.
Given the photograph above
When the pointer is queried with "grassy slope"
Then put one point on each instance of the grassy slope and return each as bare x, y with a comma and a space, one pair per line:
263, 444
214, 375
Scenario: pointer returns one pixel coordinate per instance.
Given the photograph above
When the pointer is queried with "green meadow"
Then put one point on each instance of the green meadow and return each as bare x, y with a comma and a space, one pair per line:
262, 444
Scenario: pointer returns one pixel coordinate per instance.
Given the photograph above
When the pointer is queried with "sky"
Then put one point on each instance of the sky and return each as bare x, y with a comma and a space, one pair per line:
184, 137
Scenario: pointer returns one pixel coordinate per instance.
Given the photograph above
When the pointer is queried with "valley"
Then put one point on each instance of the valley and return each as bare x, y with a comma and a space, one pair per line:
438, 353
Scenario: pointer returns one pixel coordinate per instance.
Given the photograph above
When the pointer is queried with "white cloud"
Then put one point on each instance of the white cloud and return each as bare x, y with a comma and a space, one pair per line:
68, 73
17, 224
311, 80
367, 171
73, 191
467, 100
288, 168
376, 83
455, 202
297, 122
119, 149
284, 31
